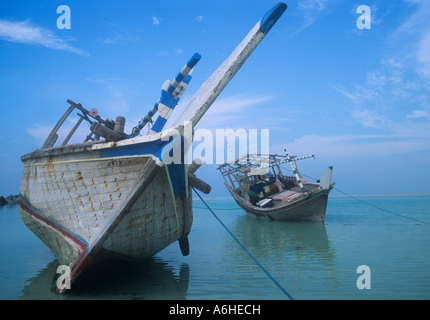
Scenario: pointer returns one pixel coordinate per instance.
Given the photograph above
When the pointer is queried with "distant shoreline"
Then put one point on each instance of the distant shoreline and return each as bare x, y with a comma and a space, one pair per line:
339, 196
9, 200
380, 195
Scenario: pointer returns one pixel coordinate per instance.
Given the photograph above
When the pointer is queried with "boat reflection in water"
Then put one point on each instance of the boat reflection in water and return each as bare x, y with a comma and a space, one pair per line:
150, 279
297, 254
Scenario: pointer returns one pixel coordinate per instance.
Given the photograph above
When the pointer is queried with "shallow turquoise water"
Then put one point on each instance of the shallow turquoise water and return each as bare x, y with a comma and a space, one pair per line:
309, 260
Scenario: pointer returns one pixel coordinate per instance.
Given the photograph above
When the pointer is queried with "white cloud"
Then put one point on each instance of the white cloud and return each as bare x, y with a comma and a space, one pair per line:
123, 38
198, 18
416, 29
237, 103
369, 118
156, 21
312, 4
311, 9
103, 80
231, 111
418, 114
423, 55
174, 51
225, 112
404, 74
28, 33
310, 21
178, 51
351, 146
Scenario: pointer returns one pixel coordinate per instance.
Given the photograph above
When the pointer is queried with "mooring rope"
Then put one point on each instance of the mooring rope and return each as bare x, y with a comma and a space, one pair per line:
368, 203
244, 249
382, 209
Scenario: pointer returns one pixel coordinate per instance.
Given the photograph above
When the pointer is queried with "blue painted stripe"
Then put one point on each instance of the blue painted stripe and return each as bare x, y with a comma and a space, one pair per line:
176, 170
178, 80
177, 178
271, 17
187, 79
159, 124
194, 59
149, 147
168, 99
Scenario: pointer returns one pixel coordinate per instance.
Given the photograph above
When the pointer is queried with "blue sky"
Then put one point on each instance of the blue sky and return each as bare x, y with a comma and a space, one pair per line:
357, 99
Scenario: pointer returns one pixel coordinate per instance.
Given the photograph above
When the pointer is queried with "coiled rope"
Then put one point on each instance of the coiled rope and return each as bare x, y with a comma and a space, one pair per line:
244, 249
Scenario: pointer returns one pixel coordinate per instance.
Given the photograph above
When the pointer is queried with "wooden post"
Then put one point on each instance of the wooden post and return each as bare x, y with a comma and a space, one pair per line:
73, 130
194, 181
194, 166
52, 138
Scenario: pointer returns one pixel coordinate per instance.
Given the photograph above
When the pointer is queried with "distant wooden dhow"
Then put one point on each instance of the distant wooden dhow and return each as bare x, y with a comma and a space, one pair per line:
114, 193
258, 185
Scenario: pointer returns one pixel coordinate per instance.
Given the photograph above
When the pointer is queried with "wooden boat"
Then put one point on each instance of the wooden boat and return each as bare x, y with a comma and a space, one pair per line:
117, 193
259, 187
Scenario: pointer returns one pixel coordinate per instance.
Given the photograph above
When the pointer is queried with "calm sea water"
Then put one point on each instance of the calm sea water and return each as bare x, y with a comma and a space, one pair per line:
310, 260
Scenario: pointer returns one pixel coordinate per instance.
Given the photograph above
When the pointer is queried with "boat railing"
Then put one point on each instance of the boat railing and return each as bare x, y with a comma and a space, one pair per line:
109, 129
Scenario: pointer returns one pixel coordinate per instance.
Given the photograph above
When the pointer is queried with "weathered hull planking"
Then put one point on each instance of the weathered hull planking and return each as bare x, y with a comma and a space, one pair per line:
312, 209
79, 203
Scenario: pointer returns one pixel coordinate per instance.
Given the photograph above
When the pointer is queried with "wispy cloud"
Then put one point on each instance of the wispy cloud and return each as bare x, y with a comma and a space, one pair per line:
227, 112
103, 80
392, 80
393, 99
308, 23
369, 118
237, 103
29, 33
123, 37
418, 114
312, 4
423, 54
309, 10
357, 94
396, 86
351, 146
198, 18
156, 21
232, 111
174, 51
416, 28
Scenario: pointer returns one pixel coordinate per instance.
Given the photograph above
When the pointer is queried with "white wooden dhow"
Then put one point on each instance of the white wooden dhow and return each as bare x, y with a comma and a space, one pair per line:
275, 196
118, 196
80, 202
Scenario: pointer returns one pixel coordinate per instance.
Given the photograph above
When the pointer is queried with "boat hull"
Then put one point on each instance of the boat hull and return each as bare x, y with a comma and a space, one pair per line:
81, 201
310, 209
